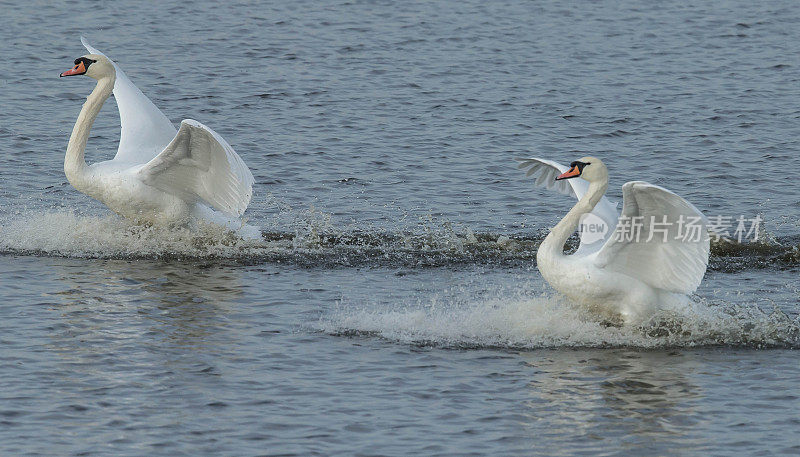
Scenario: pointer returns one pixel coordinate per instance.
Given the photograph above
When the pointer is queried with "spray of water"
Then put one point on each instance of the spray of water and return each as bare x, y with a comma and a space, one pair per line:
517, 322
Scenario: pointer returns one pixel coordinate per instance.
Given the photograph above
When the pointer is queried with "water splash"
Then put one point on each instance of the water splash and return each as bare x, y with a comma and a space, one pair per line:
549, 321
64, 233
314, 239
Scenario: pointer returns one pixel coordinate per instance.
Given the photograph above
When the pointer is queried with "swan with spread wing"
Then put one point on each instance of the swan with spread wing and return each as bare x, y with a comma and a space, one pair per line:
159, 175
649, 257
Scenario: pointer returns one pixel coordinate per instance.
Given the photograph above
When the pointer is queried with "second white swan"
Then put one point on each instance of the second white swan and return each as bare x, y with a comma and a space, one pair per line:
159, 175
650, 257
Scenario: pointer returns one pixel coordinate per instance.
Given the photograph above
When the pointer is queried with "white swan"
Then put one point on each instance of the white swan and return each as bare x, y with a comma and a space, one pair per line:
650, 257
158, 175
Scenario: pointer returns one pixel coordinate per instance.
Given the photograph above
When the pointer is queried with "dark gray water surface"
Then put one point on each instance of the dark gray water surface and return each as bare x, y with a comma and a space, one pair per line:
394, 307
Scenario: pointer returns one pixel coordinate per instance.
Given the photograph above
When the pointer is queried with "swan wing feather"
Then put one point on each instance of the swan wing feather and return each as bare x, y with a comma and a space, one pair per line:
544, 173
199, 165
664, 256
146, 131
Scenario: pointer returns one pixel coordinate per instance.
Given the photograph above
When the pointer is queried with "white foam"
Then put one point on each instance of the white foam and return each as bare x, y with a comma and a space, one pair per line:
65, 233
68, 233
549, 321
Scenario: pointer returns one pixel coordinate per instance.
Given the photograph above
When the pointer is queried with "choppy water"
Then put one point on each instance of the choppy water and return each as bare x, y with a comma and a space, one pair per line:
393, 307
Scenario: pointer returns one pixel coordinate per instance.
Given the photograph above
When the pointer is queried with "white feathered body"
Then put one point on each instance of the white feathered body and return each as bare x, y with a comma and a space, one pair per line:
159, 175
618, 277
604, 292
119, 186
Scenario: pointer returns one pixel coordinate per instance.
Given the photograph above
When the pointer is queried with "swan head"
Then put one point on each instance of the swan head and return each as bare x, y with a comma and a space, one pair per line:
94, 66
591, 169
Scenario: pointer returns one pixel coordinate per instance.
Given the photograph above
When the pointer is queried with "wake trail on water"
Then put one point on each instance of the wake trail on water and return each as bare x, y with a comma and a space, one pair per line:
549, 322
505, 318
312, 240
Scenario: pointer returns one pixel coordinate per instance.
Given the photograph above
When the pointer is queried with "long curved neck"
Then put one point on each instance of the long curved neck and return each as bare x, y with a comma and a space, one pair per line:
554, 243
74, 162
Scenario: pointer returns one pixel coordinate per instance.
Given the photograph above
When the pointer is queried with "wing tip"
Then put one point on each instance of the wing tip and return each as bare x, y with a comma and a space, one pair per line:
88, 46
525, 162
643, 184
93, 50
636, 183
193, 123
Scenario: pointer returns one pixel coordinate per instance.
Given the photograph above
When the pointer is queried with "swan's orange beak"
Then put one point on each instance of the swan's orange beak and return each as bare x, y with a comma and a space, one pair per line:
571, 173
78, 69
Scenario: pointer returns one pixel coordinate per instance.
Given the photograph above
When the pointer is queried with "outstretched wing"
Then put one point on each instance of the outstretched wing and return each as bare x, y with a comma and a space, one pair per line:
545, 172
672, 248
199, 165
145, 129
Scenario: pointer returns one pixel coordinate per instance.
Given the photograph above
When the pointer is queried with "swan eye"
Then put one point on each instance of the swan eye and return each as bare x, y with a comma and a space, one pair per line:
80, 68
579, 165
86, 62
